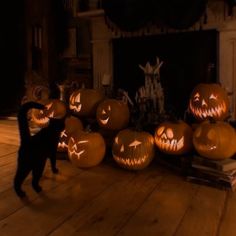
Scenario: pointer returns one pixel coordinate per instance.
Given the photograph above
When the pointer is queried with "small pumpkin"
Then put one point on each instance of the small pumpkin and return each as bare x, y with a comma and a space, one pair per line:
113, 114
209, 100
54, 108
133, 149
215, 140
86, 149
84, 102
72, 124
174, 137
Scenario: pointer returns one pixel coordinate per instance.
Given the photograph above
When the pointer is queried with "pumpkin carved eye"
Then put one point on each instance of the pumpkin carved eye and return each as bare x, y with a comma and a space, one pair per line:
213, 97
169, 133
196, 97
211, 135
77, 98
135, 143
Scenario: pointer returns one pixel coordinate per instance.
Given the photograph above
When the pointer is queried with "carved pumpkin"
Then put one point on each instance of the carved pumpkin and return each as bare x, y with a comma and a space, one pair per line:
215, 140
55, 108
132, 149
84, 102
209, 100
113, 114
174, 138
72, 124
86, 149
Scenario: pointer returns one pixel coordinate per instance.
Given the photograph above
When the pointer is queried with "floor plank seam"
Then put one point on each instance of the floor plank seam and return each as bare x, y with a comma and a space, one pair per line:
141, 204
85, 205
223, 213
186, 211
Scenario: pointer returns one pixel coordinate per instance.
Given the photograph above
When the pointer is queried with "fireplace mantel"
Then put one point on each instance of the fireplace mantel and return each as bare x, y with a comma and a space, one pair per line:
217, 18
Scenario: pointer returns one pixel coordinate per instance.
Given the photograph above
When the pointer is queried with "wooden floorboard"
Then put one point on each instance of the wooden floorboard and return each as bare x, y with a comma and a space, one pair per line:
107, 200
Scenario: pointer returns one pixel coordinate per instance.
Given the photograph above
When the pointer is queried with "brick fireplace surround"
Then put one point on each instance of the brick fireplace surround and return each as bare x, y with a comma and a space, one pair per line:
217, 18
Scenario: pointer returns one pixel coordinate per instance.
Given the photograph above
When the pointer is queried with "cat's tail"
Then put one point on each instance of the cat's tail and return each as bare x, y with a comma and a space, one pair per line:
23, 119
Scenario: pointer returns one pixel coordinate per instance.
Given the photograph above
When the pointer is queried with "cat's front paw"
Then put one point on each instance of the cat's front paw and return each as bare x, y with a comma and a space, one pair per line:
20, 193
55, 170
37, 188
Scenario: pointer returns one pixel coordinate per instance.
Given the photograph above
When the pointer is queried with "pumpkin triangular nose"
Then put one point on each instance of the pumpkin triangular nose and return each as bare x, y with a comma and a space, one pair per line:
204, 103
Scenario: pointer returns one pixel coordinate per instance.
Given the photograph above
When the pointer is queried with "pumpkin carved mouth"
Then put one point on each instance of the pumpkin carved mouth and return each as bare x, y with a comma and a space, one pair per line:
170, 145
209, 112
104, 121
63, 145
75, 150
131, 162
44, 116
76, 100
166, 141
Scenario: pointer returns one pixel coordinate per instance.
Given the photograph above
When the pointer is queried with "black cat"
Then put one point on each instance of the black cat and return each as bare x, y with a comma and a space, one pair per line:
34, 150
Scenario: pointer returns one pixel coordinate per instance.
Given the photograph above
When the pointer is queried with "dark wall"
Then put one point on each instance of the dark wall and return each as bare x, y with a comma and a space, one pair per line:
12, 51
186, 59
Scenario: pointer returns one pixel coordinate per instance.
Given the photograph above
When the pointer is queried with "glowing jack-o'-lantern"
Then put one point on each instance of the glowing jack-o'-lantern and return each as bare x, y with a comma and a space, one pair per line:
132, 149
215, 140
174, 138
54, 108
86, 149
72, 124
113, 114
209, 100
84, 102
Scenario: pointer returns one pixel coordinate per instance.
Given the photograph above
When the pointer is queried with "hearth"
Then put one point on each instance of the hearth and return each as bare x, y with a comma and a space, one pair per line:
188, 58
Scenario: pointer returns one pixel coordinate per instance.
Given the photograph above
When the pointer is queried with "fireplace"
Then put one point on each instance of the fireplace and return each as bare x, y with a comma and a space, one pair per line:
187, 55
188, 58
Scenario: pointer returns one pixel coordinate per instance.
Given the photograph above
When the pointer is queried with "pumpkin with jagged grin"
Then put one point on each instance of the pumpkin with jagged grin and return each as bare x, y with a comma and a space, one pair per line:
174, 137
133, 149
209, 100
54, 108
113, 114
72, 124
84, 102
86, 149
215, 140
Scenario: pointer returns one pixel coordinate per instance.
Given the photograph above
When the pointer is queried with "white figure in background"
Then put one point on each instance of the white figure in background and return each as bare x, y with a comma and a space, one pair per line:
152, 88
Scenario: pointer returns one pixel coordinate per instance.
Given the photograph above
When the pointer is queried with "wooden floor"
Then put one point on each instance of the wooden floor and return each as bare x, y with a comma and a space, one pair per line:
107, 200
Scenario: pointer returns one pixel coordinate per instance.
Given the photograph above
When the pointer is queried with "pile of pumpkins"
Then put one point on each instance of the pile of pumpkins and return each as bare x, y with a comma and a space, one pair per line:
211, 136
